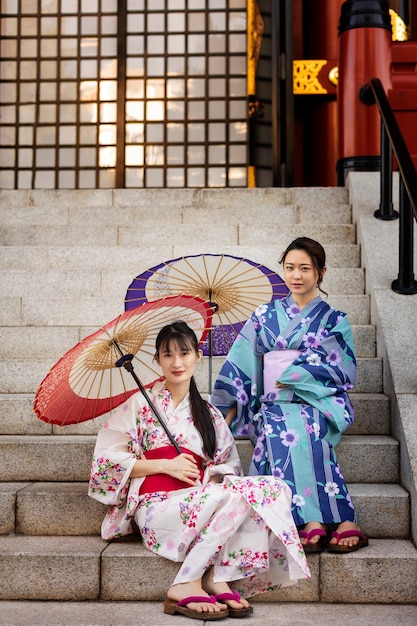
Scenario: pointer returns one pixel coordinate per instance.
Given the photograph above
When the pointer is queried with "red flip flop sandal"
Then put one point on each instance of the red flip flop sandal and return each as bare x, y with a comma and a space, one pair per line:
172, 607
234, 595
320, 545
334, 547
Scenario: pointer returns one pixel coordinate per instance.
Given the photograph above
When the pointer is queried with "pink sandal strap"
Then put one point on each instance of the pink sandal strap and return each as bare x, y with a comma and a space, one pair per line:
185, 601
347, 533
316, 532
229, 595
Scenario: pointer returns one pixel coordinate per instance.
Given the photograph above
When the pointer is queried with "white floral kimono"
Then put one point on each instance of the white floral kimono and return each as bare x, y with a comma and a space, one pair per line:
241, 525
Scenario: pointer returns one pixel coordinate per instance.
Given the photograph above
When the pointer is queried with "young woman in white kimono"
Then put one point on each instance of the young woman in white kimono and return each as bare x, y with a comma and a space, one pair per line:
234, 535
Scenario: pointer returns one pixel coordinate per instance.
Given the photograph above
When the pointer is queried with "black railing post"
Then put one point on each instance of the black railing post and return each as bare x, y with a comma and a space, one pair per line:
386, 208
405, 283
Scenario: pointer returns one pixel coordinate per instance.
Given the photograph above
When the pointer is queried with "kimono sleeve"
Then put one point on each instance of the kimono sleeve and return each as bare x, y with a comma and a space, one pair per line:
115, 454
240, 380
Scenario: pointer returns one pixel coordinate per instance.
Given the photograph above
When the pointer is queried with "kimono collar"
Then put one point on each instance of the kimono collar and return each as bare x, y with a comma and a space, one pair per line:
160, 388
293, 309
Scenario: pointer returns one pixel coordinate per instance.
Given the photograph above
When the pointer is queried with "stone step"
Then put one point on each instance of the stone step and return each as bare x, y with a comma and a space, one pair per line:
96, 613
95, 311
17, 417
364, 458
31, 509
174, 214
137, 260
88, 568
29, 342
25, 375
54, 283
138, 234
46, 200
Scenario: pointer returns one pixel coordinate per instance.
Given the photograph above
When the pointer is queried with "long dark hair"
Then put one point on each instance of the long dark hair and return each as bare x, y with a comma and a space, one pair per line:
316, 253
185, 338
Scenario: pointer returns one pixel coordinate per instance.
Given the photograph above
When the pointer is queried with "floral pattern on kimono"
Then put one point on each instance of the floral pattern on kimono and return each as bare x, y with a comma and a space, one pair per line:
295, 427
241, 525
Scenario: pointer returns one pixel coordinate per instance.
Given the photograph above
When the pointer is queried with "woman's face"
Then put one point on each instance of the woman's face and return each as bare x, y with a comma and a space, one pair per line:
178, 362
301, 276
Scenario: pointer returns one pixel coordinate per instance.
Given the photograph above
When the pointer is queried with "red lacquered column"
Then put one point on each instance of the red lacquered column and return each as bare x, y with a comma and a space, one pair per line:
365, 41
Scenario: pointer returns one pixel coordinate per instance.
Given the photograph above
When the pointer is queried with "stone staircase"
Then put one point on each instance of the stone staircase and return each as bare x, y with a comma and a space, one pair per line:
66, 260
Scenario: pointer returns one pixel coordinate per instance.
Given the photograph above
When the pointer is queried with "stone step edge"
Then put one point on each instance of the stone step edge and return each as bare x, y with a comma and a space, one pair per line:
89, 568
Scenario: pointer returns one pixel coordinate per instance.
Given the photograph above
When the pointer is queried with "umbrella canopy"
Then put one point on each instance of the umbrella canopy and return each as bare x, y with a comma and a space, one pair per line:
233, 285
94, 376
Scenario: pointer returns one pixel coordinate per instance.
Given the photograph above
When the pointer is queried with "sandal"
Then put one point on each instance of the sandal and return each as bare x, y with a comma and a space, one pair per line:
334, 547
317, 547
234, 595
172, 607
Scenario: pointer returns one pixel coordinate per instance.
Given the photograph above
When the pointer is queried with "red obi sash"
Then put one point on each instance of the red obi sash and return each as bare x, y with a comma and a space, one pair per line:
163, 482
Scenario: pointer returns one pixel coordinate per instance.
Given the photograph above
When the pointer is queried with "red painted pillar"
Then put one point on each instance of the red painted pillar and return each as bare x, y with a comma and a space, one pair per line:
364, 52
320, 19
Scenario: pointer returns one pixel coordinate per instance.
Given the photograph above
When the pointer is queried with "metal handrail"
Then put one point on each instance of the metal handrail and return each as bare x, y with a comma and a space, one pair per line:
392, 141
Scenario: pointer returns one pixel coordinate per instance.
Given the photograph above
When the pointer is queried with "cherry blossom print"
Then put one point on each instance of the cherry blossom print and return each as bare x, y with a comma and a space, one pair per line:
298, 500
333, 358
314, 359
289, 437
258, 451
310, 340
331, 488
322, 333
261, 310
281, 343
292, 311
278, 473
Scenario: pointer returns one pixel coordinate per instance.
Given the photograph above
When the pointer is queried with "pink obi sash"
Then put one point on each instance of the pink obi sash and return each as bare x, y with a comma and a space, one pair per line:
275, 362
163, 482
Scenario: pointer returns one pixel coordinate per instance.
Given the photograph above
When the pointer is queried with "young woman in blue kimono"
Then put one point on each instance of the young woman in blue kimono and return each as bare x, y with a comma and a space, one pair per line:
234, 536
285, 384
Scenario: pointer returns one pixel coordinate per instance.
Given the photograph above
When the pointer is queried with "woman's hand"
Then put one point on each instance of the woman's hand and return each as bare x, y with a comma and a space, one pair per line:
183, 467
230, 415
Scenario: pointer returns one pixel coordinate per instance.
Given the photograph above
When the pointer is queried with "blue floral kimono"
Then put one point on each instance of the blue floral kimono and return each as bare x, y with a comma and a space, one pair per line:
295, 426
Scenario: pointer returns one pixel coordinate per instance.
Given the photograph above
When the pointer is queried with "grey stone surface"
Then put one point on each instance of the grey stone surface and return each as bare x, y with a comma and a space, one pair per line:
17, 416
37, 506
322, 196
50, 283
372, 415
65, 458
8, 493
282, 235
369, 459
385, 571
31, 342
151, 614
11, 311
395, 316
184, 234
382, 509
53, 569
70, 311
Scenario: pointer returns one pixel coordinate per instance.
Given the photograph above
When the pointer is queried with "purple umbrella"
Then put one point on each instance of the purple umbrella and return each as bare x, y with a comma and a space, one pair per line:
234, 286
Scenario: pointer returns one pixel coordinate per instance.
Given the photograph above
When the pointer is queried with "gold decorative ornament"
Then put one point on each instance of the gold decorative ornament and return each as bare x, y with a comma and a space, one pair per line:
305, 77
